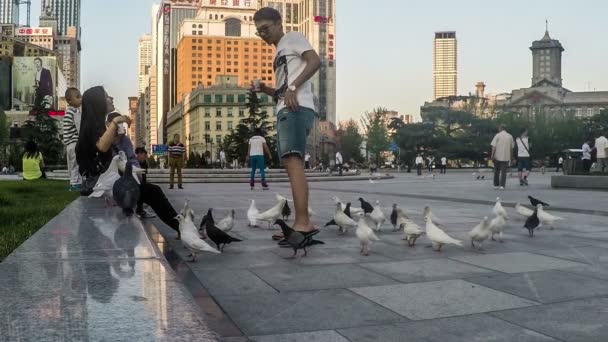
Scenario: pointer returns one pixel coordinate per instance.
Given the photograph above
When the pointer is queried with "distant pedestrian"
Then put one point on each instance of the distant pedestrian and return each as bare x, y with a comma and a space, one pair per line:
176, 161
71, 128
257, 148
601, 146
586, 155
307, 161
429, 164
419, 162
502, 155
444, 164
560, 164
339, 162
33, 164
523, 157
222, 159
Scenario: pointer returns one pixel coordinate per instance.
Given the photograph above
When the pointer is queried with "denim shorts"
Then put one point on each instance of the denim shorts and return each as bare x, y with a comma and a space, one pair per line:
523, 164
292, 130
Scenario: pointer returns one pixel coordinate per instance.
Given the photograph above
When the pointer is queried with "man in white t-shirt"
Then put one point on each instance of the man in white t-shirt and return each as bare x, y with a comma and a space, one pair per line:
222, 159
257, 148
307, 160
587, 155
295, 63
339, 162
601, 145
502, 154
419, 162
444, 165
523, 157
560, 164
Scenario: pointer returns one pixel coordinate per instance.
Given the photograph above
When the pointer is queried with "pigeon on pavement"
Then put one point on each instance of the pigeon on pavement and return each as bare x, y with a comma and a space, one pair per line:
365, 234
523, 211
227, 223
480, 233
272, 214
499, 209
536, 201
286, 211
378, 216
342, 220
411, 230
394, 217
354, 211
367, 208
252, 214
497, 226
190, 238
126, 191
545, 218
437, 236
297, 240
220, 238
429, 212
532, 222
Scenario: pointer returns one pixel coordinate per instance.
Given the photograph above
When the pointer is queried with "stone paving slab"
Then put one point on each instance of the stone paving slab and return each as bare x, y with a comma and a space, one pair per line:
315, 336
235, 282
455, 329
545, 286
587, 255
517, 262
440, 299
573, 321
304, 311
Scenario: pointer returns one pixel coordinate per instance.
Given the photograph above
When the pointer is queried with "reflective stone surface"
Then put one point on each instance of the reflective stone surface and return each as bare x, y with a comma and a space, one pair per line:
92, 274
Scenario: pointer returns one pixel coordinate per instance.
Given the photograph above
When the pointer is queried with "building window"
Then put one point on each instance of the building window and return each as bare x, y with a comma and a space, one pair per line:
242, 98
218, 112
229, 112
207, 109
241, 113
229, 125
218, 125
207, 99
218, 139
218, 98
207, 125
230, 98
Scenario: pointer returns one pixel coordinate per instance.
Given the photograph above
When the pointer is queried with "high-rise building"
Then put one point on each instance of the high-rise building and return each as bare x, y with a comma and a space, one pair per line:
547, 60
316, 20
9, 12
445, 65
144, 61
41, 36
67, 13
133, 109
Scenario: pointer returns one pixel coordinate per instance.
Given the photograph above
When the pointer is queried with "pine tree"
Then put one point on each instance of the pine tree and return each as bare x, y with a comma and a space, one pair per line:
44, 131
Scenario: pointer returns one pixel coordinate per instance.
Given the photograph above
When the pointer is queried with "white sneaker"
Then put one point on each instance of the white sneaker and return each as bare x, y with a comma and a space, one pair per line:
502, 188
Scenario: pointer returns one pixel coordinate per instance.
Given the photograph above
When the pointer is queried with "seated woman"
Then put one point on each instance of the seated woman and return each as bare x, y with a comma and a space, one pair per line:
33, 164
99, 141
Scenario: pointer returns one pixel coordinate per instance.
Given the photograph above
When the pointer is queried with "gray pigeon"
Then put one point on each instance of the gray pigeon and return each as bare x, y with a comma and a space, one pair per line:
126, 191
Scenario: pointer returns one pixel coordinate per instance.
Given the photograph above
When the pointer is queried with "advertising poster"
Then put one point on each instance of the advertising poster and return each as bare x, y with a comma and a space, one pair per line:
34, 82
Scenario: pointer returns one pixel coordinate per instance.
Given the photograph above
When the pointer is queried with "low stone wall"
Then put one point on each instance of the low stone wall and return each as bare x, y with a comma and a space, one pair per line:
580, 182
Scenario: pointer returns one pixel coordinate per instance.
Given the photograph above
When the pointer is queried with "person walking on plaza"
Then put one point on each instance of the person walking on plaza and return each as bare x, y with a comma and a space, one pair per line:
560, 164
257, 149
419, 162
339, 162
502, 155
444, 165
176, 161
601, 146
587, 155
523, 157
33, 164
295, 63
222, 159
307, 161
71, 128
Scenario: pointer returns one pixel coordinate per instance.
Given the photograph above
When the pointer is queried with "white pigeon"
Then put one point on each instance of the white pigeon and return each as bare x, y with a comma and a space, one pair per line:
227, 223
106, 180
272, 214
365, 234
252, 214
546, 218
191, 239
437, 236
122, 165
412, 231
497, 226
499, 209
429, 212
402, 219
480, 233
377, 216
187, 212
353, 210
281, 197
523, 211
342, 220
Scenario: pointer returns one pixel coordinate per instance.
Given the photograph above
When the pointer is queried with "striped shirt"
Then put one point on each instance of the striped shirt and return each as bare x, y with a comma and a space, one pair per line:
71, 125
176, 150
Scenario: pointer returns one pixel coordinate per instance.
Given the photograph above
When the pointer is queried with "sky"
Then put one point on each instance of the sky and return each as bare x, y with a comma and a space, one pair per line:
384, 51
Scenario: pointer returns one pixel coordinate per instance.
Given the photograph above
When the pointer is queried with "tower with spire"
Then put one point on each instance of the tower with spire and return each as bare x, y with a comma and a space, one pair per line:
546, 60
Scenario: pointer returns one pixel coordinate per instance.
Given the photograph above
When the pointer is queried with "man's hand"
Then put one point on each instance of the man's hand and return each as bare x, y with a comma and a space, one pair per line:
123, 118
291, 100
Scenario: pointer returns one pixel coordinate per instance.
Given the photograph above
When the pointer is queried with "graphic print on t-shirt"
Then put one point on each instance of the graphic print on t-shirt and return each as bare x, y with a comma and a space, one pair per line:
281, 61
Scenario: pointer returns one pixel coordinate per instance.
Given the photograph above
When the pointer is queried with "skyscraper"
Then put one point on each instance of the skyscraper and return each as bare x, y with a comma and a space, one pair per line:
144, 61
445, 65
67, 13
9, 12
316, 20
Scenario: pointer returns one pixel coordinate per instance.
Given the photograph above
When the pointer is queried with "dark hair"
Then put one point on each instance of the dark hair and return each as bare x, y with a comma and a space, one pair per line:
91, 161
31, 150
258, 131
111, 116
38, 59
71, 91
267, 13
523, 131
140, 150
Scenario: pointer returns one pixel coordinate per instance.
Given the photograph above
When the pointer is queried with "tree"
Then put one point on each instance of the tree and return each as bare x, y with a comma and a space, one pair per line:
3, 134
351, 141
376, 129
44, 131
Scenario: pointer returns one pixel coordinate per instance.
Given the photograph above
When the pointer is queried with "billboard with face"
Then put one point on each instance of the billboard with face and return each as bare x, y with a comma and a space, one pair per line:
34, 82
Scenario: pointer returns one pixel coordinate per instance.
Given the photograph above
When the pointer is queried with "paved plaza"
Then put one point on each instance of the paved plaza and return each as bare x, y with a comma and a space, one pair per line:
553, 287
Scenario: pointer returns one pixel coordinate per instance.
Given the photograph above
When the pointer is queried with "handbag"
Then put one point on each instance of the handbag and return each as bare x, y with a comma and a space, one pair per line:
88, 183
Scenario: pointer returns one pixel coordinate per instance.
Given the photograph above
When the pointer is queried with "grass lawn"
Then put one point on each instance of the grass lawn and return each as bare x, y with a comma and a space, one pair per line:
26, 206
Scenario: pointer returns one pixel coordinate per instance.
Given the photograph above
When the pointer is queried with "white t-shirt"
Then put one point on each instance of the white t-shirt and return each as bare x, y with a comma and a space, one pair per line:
444, 160
503, 142
522, 147
288, 65
560, 160
307, 157
601, 144
257, 145
418, 160
586, 151
222, 155
339, 158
